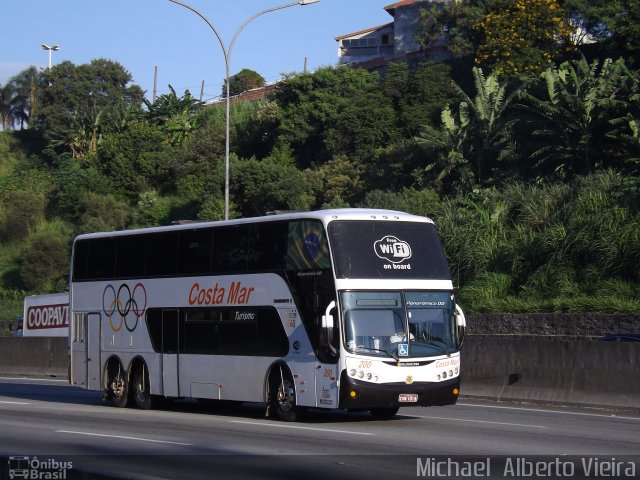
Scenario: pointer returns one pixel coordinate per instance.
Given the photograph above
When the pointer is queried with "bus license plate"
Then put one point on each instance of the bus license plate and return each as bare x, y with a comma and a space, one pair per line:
408, 397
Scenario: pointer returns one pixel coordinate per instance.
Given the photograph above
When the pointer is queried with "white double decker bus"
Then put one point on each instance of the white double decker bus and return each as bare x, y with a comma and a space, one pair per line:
350, 308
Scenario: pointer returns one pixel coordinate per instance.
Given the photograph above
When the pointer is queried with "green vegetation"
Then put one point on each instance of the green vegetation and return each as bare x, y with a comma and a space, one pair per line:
529, 161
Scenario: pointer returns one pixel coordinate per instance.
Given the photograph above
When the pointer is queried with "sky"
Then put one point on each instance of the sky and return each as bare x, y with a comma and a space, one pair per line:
144, 34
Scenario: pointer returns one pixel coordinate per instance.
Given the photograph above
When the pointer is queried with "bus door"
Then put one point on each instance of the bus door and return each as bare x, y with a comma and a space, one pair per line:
79, 349
94, 340
170, 353
327, 351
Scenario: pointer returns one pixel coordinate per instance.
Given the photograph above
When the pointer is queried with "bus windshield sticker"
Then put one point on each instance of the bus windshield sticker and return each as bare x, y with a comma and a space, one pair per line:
392, 249
403, 350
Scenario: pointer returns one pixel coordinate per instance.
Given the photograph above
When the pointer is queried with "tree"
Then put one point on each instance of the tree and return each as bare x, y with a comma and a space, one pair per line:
459, 20
242, 81
615, 25
626, 27
322, 114
24, 209
523, 36
136, 159
590, 19
74, 103
429, 90
341, 181
196, 171
72, 181
24, 193
45, 261
262, 186
100, 212
410, 200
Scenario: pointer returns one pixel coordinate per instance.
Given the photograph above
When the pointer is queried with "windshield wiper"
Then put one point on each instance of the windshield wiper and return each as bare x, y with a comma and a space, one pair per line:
440, 345
379, 350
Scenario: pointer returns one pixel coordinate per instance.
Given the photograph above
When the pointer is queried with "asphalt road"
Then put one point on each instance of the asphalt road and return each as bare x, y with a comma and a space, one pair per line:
54, 423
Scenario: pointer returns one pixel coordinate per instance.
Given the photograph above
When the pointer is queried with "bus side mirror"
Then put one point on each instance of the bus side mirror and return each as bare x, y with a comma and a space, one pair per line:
460, 320
328, 336
327, 318
461, 324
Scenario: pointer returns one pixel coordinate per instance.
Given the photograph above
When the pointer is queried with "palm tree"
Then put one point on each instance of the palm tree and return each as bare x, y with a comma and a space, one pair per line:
575, 111
451, 166
25, 89
6, 101
479, 133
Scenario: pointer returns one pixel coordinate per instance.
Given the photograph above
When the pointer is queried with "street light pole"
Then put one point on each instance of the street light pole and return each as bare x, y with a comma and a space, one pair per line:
51, 48
227, 61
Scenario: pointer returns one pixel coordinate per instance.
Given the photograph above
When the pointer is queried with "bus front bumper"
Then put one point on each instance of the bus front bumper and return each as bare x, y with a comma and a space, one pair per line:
356, 394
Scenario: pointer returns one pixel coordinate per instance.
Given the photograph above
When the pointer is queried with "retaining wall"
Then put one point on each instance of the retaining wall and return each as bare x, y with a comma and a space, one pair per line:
34, 356
551, 370
579, 325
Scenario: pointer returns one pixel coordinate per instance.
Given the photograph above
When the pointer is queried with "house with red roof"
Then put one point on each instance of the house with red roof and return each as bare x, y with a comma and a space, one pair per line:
376, 46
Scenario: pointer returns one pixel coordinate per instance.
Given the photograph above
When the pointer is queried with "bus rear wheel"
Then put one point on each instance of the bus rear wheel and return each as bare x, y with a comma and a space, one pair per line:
118, 385
141, 388
389, 412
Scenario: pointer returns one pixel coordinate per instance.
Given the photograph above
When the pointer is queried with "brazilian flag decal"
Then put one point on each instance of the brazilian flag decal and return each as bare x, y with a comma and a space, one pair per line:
307, 247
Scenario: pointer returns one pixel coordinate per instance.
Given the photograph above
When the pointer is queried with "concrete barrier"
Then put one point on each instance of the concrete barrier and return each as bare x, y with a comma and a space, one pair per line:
544, 369
46, 356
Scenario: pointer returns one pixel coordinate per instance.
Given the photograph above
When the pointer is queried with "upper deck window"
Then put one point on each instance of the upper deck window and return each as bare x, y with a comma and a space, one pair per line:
389, 250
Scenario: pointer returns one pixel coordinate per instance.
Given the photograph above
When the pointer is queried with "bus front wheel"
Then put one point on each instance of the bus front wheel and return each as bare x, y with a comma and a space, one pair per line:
283, 398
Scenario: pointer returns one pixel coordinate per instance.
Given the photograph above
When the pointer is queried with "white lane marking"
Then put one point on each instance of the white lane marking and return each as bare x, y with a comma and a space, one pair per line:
122, 437
275, 425
14, 403
541, 410
475, 421
29, 379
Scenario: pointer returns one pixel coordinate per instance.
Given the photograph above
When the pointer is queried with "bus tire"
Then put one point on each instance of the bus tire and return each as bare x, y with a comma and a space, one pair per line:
388, 412
283, 397
141, 388
118, 385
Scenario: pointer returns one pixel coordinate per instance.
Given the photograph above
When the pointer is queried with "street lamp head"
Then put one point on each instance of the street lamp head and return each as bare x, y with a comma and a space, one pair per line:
55, 48
307, 2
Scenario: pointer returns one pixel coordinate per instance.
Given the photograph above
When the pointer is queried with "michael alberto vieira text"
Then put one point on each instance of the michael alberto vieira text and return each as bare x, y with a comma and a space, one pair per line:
521, 467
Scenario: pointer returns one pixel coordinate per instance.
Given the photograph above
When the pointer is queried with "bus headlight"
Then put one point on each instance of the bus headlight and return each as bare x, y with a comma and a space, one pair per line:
364, 375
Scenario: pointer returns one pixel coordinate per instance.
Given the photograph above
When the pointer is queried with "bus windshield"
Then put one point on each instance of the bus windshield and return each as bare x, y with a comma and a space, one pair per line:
399, 324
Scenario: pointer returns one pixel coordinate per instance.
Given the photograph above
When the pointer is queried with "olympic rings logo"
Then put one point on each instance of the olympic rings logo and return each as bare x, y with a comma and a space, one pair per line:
124, 301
